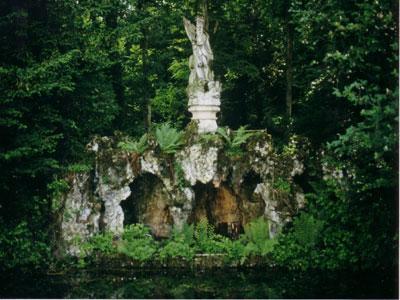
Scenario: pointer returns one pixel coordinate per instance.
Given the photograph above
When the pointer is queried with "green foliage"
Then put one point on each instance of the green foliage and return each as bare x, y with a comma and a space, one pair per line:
167, 105
298, 248
207, 241
235, 250
282, 185
306, 230
137, 243
56, 189
181, 244
168, 138
79, 168
101, 243
138, 147
176, 248
59, 88
20, 247
211, 138
256, 238
179, 175
234, 141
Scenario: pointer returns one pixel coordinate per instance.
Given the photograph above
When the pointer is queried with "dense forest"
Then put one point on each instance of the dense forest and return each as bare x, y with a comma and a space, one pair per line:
323, 70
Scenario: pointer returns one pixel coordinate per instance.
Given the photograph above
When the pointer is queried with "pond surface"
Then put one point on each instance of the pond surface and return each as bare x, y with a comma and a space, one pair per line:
227, 283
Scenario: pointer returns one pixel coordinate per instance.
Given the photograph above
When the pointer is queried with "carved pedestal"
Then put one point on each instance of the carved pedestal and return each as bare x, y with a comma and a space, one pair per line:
206, 117
204, 105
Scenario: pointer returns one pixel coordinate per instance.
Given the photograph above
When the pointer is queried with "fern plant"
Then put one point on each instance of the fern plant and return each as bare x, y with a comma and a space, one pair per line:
306, 229
234, 143
256, 238
207, 240
100, 243
241, 136
138, 147
181, 244
168, 138
137, 243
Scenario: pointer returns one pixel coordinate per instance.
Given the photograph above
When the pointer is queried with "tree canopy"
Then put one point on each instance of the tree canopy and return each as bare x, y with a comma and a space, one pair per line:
326, 70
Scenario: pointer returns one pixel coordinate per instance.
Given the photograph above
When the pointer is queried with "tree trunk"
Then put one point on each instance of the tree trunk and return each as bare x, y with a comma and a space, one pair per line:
289, 60
116, 71
143, 47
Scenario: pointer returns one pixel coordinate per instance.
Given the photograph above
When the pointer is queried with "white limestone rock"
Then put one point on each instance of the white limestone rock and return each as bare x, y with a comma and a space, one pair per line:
81, 215
199, 163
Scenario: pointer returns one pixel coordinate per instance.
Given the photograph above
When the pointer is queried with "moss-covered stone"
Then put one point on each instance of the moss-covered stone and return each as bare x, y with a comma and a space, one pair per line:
202, 179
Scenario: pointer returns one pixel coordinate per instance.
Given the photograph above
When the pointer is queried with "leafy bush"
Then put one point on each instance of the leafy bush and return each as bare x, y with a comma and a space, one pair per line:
168, 138
181, 244
57, 188
177, 248
233, 143
179, 175
282, 185
79, 168
20, 247
100, 243
137, 242
297, 249
167, 104
256, 239
235, 250
138, 147
207, 241
306, 229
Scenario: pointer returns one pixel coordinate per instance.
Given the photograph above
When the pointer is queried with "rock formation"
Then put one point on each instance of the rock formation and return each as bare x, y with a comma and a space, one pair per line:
201, 180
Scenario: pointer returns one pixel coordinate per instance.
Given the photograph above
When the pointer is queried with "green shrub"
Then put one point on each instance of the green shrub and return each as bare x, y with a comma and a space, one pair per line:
168, 138
297, 248
57, 188
256, 239
179, 175
181, 244
79, 168
20, 247
186, 234
234, 143
177, 249
235, 250
137, 242
207, 241
100, 243
306, 229
138, 147
282, 185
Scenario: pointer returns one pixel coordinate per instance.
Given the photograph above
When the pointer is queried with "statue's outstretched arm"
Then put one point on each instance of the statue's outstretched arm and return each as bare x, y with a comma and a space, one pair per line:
190, 30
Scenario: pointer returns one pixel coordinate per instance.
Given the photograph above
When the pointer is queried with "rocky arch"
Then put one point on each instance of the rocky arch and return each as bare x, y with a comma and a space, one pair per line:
220, 206
149, 203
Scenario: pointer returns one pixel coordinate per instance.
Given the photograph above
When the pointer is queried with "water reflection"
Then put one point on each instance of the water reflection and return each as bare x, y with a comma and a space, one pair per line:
228, 283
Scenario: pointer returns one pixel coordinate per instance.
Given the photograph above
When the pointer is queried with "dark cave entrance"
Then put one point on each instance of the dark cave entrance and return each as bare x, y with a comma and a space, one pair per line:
148, 204
220, 206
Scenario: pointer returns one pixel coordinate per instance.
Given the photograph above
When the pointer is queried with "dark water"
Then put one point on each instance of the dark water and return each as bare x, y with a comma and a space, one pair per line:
228, 283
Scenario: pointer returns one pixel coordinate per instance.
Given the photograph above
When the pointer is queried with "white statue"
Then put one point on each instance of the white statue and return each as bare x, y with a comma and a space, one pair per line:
203, 92
202, 54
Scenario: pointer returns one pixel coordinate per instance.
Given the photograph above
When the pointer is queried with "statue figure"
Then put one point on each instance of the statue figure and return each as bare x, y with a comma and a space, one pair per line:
203, 91
202, 56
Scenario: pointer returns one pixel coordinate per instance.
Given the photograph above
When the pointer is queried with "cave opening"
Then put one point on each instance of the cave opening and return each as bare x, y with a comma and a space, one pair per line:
148, 204
250, 182
220, 206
